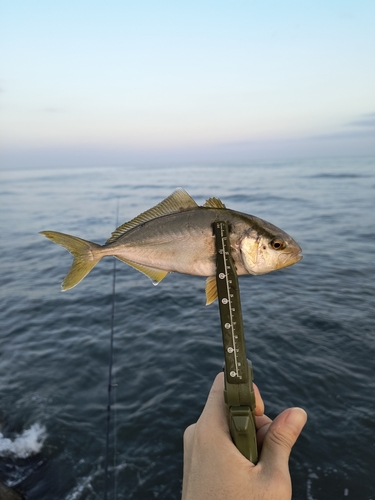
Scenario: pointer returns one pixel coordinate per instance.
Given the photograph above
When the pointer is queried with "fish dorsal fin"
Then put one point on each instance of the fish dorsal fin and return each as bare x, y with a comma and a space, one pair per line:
178, 201
211, 290
155, 275
214, 203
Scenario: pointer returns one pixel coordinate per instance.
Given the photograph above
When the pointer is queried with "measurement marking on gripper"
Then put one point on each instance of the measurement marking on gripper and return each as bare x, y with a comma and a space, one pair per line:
226, 267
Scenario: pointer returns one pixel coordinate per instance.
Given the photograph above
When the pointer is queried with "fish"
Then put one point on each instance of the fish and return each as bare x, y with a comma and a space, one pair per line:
176, 235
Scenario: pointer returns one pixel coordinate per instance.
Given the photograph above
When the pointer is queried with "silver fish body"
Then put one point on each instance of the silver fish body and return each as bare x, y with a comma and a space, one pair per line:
177, 236
184, 243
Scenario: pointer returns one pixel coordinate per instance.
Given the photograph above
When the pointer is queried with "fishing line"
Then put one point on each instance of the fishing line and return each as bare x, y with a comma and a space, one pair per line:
110, 385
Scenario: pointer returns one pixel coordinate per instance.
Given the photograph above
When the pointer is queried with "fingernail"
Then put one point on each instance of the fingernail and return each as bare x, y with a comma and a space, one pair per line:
296, 418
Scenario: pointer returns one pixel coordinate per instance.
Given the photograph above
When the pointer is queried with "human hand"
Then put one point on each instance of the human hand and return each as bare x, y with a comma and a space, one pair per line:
215, 469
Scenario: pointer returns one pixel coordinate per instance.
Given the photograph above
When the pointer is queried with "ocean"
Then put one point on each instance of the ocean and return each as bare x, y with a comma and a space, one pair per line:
309, 330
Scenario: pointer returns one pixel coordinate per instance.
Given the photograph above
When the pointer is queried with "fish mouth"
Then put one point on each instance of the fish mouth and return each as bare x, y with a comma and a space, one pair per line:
290, 258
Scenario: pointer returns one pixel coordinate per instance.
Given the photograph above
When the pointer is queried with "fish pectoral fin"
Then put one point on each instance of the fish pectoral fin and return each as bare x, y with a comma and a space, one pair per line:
178, 201
214, 203
155, 275
211, 290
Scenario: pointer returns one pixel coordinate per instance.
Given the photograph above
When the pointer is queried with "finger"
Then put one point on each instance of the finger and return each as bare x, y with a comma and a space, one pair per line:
262, 421
259, 408
189, 434
215, 412
262, 424
215, 401
280, 437
188, 447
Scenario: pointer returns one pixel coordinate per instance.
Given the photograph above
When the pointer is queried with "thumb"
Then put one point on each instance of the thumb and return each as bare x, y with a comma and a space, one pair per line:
280, 438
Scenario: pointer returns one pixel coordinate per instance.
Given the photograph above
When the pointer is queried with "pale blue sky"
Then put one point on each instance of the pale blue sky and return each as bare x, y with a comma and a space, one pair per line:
115, 81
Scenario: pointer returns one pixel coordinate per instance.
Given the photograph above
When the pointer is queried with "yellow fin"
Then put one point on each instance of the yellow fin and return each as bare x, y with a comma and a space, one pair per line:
178, 201
214, 203
155, 275
85, 253
211, 290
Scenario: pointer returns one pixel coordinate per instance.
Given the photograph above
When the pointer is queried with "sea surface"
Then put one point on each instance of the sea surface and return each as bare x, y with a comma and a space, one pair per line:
309, 330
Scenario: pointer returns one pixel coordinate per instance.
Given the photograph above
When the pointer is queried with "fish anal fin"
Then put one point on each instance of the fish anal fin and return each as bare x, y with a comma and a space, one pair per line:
178, 201
155, 275
214, 203
211, 290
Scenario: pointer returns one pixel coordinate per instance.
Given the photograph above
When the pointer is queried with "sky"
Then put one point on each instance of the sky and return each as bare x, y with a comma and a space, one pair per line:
94, 82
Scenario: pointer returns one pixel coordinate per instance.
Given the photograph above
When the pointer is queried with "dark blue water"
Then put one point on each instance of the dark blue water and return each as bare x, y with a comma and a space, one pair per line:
309, 330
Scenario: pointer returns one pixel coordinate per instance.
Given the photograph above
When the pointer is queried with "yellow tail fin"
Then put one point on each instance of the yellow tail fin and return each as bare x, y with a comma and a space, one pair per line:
85, 253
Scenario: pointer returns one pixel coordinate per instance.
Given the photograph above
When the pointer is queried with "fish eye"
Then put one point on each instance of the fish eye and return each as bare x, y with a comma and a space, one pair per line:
277, 244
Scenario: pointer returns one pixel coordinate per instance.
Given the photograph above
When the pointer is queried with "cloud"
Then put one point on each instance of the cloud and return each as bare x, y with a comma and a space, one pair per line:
367, 120
363, 128
354, 138
350, 134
